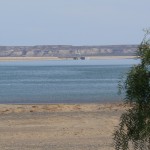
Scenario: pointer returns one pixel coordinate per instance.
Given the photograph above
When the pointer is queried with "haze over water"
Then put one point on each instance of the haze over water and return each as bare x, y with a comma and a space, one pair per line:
62, 81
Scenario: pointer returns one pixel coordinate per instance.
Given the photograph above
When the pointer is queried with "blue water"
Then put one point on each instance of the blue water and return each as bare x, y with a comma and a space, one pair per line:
62, 81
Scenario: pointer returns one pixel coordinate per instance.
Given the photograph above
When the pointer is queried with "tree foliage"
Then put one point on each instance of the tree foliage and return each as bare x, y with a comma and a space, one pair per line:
133, 131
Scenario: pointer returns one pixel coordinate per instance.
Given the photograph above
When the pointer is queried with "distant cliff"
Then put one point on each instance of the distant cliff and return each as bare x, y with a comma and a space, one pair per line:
67, 50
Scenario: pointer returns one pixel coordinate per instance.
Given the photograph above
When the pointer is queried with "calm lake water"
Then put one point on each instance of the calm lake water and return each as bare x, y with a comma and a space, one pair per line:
70, 81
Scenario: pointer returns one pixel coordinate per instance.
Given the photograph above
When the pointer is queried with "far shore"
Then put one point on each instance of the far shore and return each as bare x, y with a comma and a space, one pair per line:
57, 58
59, 126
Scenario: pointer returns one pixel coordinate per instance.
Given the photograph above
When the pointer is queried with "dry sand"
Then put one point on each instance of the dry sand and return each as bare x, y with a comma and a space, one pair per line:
111, 57
59, 126
56, 58
28, 58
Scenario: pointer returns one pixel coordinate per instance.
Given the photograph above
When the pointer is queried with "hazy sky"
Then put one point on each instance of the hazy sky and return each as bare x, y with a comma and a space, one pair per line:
73, 22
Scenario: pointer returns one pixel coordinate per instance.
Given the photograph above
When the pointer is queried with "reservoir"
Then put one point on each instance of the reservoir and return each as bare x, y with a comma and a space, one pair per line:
64, 81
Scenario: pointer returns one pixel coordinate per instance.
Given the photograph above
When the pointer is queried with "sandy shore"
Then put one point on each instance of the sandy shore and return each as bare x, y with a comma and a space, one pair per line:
111, 57
56, 58
28, 58
58, 127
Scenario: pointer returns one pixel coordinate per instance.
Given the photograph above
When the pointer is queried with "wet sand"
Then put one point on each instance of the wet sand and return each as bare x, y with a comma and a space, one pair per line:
59, 126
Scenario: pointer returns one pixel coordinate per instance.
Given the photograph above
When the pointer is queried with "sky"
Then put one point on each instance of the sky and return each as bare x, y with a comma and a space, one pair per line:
73, 22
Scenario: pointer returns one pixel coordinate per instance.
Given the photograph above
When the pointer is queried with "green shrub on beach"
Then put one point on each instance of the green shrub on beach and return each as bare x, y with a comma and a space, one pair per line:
133, 131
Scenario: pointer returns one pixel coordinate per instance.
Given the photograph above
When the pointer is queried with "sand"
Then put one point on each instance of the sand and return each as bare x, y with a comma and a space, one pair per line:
59, 126
3, 59
28, 58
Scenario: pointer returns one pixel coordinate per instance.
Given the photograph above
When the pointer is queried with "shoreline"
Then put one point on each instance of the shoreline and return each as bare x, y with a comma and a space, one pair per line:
3, 59
78, 107
43, 127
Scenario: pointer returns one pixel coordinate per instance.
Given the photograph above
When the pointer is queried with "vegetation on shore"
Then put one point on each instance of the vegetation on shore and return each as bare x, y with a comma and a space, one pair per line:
133, 131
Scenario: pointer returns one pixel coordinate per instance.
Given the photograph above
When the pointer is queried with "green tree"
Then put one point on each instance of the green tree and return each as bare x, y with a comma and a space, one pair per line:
133, 131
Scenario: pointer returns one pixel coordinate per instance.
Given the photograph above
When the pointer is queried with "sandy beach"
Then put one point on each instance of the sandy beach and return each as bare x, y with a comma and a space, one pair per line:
56, 58
28, 58
59, 126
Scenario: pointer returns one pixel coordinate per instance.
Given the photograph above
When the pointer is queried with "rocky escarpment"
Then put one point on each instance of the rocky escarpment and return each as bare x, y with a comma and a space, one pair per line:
67, 51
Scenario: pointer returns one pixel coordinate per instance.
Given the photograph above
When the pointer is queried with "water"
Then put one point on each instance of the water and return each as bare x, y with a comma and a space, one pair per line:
62, 81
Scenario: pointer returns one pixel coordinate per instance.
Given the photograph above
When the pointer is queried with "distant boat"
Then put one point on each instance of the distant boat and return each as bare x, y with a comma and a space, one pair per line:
80, 58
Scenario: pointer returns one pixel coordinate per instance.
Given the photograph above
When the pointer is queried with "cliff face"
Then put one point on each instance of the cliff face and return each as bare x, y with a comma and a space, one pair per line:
67, 51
